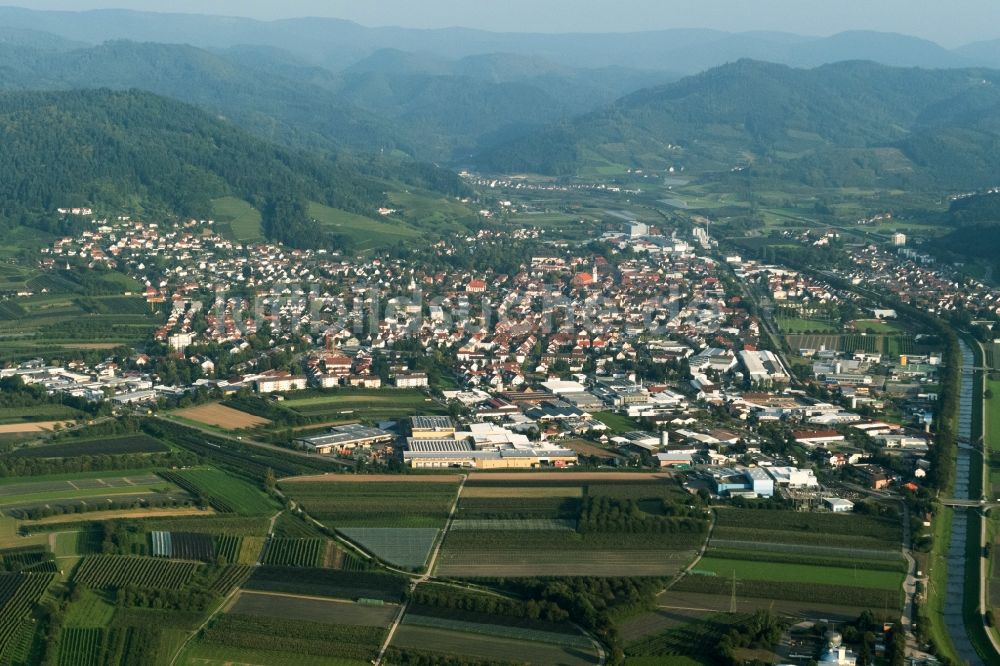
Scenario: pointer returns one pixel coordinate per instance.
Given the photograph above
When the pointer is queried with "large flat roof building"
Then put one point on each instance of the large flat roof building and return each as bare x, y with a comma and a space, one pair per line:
431, 427
344, 438
484, 446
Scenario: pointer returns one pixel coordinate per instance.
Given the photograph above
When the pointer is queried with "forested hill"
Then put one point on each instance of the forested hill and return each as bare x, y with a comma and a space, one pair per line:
141, 152
851, 123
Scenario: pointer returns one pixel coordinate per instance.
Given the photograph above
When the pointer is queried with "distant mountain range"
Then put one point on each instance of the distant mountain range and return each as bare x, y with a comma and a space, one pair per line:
852, 123
337, 44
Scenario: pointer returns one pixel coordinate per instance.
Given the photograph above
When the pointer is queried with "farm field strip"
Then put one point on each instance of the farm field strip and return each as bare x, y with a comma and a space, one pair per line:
214, 414
118, 571
447, 642
373, 478
542, 477
525, 492
38, 426
800, 573
499, 630
528, 524
591, 562
313, 609
94, 447
406, 547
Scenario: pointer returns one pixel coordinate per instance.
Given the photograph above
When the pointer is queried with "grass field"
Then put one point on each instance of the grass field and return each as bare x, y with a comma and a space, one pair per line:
800, 573
236, 219
220, 416
87, 489
223, 491
365, 233
37, 413
617, 423
797, 325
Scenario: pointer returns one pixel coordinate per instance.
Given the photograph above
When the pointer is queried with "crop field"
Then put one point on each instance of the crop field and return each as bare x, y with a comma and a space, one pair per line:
265, 635
182, 545
114, 571
36, 413
564, 553
434, 640
826, 341
19, 498
845, 559
19, 428
310, 609
359, 504
365, 233
222, 491
520, 492
402, 546
370, 404
220, 416
80, 647
18, 595
109, 446
295, 552
237, 219
800, 573
328, 583
585, 448
212, 523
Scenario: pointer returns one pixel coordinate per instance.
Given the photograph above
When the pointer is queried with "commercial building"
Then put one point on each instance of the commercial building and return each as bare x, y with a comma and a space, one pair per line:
763, 366
793, 477
431, 427
485, 446
345, 438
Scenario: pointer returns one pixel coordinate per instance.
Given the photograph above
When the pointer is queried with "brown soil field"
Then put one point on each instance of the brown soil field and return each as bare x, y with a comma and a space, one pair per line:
375, 478
40, 426
570, 476
588, 449
126, 513
221, 416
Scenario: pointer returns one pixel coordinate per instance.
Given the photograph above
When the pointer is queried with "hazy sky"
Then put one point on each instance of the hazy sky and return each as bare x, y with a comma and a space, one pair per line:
949, 22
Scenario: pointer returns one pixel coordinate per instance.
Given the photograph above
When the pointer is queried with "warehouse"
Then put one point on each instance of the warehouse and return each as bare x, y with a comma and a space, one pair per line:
431, 427
485, 450
345, 438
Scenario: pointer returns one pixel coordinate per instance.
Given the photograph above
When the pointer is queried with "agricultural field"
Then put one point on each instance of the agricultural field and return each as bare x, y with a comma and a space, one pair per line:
415, 636
111, 571
373, 404
87, 491
365, 233
402, 546
333, 583
617, 423
30, 427
587, 449
509, 525
222, 491
220, 416
295, 552
326, 611
19, 592
796, 325
37, 413
350, 501
108, 446
847, 560
236, 219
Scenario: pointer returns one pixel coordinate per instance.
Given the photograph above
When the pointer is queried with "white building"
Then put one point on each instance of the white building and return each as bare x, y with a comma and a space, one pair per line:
762, 366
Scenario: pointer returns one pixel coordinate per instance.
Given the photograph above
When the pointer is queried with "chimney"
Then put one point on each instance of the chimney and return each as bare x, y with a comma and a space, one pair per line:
664, 438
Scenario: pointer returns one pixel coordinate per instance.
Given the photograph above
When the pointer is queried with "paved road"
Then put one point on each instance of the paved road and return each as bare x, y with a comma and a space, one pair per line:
954, 598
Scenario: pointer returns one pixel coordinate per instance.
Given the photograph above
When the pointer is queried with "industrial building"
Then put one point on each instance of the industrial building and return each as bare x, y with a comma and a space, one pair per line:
485, 446
763, 366
345, 438
742, 481
431, 427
